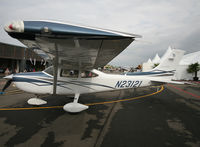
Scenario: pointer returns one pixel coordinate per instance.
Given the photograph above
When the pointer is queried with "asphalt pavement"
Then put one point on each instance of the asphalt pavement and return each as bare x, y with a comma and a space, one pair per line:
147, 117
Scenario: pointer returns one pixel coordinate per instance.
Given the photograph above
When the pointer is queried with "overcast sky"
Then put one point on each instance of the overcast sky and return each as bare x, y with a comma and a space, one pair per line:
160, 22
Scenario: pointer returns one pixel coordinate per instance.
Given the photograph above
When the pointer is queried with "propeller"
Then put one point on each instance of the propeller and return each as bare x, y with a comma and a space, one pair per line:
9, 81
7, 85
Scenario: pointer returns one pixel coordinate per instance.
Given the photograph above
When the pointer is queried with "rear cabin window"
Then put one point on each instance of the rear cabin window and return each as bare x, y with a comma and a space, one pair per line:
74, 74
88, 74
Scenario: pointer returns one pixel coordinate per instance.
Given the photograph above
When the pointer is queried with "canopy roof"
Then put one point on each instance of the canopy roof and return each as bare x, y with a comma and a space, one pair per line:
190, 58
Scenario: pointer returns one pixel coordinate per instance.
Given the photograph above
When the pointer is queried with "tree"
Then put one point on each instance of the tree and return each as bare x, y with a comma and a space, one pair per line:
194, 68
155, 64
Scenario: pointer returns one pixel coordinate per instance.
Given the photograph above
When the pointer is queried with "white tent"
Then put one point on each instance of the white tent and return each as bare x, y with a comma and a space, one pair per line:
147, 66
156, 59
190, 58
149, 61
181, 72
169, 50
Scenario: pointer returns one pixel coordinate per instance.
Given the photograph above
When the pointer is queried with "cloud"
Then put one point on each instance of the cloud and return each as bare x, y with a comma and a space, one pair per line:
160, 22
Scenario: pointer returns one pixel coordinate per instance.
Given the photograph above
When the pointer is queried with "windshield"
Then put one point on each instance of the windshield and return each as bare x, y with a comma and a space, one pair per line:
49, 70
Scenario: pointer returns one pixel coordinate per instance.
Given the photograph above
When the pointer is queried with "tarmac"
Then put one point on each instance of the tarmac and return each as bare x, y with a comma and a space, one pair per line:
162, 116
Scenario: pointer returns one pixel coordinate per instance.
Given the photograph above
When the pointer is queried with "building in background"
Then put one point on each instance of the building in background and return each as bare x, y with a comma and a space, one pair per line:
181, 72
17, 59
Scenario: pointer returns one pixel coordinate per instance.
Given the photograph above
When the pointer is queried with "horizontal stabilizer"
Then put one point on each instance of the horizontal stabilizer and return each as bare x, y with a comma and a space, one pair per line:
158, 81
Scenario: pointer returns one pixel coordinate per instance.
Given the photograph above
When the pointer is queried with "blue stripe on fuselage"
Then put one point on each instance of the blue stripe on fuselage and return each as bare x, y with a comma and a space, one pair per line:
22, 79
39, 74
147, 73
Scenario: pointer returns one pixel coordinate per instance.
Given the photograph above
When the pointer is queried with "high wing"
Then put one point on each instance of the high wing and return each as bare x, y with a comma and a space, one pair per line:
77, 47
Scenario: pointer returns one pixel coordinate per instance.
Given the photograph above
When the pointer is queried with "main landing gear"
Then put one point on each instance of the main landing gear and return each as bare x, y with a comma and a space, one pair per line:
75, 107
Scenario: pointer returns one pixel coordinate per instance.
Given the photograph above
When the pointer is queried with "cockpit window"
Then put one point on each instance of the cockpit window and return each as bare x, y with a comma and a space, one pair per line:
74, 74
49, 70
69, 73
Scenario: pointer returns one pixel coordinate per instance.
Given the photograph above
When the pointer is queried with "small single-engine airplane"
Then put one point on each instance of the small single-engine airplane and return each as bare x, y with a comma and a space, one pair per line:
76, 51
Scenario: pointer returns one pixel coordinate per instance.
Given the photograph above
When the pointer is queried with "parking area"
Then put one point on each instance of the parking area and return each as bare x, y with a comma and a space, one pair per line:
168, 116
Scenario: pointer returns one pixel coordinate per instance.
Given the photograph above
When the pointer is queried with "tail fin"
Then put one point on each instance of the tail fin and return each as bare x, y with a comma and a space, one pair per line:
170, 60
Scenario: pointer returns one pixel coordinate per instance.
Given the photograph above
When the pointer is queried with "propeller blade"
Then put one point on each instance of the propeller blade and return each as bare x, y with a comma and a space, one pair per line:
7, 85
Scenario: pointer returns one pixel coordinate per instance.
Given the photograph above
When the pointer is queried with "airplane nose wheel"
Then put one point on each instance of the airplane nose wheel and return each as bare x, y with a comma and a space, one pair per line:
36, 101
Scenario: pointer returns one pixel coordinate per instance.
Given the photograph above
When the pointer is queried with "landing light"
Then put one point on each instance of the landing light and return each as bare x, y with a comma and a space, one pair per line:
10, 27
16, 26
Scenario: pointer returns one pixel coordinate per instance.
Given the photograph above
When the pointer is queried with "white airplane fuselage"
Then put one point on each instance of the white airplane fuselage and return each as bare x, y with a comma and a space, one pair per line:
42, 83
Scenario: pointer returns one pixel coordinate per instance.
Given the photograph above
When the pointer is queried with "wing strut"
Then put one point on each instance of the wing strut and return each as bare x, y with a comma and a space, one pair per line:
55, 73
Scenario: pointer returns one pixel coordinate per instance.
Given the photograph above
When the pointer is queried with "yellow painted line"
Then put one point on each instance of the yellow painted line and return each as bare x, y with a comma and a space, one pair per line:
122, 100
15, 93
12, 91
91, 104
32, 108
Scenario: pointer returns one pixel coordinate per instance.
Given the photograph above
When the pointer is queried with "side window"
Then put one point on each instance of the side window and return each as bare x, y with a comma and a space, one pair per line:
74, 74
69, 73
88, 74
